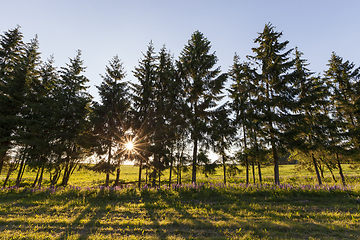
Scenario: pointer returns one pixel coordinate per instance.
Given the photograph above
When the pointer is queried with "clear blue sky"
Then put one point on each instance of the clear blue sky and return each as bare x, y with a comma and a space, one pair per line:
102, 29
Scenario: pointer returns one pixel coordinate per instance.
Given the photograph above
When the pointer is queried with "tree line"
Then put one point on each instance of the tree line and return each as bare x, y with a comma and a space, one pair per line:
176, 112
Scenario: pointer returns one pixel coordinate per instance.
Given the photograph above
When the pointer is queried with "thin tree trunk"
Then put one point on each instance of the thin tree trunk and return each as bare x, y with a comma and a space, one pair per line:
36, 178
21, 170
170, 174
117, 179
259, 170
12, 167
331, 171
107, 180
253, 171
340, 170
316, 169
321, 170
140, 167
193, 179
246, 158
41, 175
224, 169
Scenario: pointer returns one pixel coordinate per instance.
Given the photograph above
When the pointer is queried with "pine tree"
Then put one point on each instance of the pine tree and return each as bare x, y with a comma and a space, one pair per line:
143, 100
307, 135
11, 88
343, 78
72, 126
202, 84
274, 88
110, 117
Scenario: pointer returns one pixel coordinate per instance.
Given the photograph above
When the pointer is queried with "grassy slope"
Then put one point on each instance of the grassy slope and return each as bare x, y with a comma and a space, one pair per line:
219, 213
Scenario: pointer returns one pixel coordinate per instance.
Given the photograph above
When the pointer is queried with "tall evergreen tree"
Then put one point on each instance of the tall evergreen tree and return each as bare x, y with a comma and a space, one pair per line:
275, 89
72, 128
110, 117
143, 100
312, 97
343, 78
11, 88
203, 86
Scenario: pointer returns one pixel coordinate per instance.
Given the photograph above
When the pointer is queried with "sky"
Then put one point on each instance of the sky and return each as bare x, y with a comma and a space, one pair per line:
105, 28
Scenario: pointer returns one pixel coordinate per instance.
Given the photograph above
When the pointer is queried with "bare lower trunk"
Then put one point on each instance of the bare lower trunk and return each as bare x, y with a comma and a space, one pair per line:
139, 181
12, 167
316, 170
36, 178
340, 170
107, 179
117, 179
21, 170
331, 171
246, 158
259, 170
193, 179
41, 176
276, 164
253, 171
170, 174
224, 169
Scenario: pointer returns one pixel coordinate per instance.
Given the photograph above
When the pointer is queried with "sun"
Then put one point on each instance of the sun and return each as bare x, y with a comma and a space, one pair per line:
129, 145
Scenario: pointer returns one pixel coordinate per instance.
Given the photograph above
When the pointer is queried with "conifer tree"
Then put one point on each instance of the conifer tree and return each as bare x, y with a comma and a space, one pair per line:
203, 86
343, 78
143, 100
72, 127
275, 90
110, 117
11, 88
312, 96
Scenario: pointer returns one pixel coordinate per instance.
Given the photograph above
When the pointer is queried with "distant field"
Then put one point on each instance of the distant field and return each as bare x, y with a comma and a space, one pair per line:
129, 173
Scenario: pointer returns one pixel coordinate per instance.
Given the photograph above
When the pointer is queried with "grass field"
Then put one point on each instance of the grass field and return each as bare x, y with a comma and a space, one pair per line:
298, 209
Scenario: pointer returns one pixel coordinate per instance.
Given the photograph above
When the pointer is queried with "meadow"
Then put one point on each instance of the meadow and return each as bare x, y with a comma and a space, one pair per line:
296, 209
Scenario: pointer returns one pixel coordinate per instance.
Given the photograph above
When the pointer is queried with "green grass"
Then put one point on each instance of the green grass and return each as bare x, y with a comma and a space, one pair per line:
209, 211
187, 213
129, 173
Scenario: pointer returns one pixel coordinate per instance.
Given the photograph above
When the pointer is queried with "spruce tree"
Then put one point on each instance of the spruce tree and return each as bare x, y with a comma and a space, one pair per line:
72, 127
343, 78
203, 85
307, 135
275, 89
11, 88
110, 117
143, 104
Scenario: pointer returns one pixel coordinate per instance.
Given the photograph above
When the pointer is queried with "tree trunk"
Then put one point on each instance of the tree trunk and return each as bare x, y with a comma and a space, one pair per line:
246, 158
321, 170
159, 179
107, 180
224, 169
259, 170
36, 178
331, 171
139, 182
170, 174
193, 179
21, 170
316, 169
117, 179
253, 171
41, 176
12, 167
340, 170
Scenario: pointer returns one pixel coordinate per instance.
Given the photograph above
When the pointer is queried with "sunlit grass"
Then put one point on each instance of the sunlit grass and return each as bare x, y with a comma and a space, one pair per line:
184, 212
129, 173
297, 209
